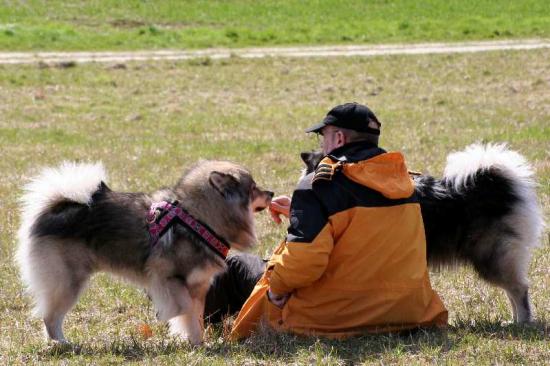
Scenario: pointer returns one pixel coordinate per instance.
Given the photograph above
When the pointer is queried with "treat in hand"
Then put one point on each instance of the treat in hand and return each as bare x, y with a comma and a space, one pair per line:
280, 205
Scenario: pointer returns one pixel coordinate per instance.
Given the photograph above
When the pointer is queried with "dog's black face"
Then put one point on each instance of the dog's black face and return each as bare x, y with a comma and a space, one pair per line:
311, 159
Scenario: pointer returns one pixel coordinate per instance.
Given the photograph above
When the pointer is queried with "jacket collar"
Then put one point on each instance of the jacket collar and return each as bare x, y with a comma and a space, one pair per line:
356, 151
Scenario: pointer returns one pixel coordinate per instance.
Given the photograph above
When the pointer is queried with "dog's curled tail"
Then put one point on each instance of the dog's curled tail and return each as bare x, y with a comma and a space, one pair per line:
462, 166
465, 167
70, 181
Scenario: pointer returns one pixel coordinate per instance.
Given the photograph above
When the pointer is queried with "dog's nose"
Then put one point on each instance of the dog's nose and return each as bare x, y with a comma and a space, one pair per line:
270, 194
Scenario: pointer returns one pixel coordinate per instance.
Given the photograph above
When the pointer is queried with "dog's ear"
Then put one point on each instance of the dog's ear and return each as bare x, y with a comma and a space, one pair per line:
311, 159
225, 184
306, 156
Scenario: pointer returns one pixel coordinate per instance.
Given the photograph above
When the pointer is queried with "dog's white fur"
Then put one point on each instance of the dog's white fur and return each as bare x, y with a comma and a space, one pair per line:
76, 182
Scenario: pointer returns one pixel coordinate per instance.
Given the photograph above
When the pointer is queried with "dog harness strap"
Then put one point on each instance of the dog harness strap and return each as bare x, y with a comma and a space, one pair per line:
163, 214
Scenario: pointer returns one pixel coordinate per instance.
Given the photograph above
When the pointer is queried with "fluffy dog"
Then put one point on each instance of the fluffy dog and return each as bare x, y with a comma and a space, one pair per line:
73, 225
483, 212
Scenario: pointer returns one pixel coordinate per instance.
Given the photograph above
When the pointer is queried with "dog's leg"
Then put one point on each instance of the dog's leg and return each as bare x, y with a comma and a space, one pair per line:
55, 277
57, 302
175, 304
190, 325
513, 265
198, 294
513, 280
514, 307
519, 297
504, 262
170, 297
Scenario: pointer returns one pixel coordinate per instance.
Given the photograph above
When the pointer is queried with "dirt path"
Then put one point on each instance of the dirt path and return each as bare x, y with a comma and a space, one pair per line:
305, 51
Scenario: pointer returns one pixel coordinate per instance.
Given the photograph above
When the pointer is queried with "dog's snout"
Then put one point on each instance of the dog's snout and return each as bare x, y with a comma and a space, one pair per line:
270, 194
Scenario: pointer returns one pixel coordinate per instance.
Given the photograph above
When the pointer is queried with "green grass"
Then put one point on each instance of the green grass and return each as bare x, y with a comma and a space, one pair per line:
135, 24
149, 121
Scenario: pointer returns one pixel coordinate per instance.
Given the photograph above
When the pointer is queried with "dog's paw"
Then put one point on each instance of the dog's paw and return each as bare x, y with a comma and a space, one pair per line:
61, 347
191, 339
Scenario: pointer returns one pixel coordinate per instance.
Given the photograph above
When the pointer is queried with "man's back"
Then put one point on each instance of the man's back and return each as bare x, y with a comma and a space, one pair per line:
355, 257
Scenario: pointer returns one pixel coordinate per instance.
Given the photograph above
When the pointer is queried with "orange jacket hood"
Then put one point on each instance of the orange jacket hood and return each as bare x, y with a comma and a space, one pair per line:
385, 173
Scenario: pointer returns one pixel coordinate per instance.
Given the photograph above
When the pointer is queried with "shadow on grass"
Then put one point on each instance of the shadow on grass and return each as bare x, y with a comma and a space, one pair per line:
268, 346
131, 349
264, 346
535, 331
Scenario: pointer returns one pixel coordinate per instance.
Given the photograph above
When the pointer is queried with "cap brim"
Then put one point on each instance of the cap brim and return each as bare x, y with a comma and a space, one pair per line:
318, 127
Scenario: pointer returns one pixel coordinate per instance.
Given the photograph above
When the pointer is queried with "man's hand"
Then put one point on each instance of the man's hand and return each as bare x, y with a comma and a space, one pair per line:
277, 300
279, 206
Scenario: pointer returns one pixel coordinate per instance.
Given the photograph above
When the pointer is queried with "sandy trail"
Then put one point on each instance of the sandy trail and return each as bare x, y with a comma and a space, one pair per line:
261, 52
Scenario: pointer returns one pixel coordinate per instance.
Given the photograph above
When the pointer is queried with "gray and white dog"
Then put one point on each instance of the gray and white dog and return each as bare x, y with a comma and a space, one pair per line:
73, 225
484, 212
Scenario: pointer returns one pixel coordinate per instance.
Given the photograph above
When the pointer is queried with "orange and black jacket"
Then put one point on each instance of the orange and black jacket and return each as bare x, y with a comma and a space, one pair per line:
354, 258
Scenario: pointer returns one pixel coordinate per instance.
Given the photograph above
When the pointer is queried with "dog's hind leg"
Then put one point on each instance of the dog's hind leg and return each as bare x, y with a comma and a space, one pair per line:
519, 297
517, 290
513, 304
56, 277
513, 266
506, 266
518, 294
57, 305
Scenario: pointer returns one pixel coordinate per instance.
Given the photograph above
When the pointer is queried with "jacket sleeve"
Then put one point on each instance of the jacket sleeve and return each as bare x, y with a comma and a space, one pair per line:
308, 244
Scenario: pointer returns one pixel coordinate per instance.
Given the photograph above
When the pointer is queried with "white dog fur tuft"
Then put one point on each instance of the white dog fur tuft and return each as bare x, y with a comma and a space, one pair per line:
462, 165
527, 216
70, 181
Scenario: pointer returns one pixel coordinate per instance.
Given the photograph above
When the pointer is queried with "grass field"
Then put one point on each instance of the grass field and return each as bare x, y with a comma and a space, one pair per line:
141, 24
148, 121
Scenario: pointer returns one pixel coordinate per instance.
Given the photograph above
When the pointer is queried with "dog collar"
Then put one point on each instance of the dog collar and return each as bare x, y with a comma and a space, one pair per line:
162, 215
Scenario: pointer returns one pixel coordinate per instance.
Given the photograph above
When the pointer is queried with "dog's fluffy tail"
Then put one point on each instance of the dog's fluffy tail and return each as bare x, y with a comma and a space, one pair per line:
68, 182
477, 161
462, 166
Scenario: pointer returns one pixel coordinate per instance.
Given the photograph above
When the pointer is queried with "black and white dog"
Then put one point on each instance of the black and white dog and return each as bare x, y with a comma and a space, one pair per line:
483, 212
171, 243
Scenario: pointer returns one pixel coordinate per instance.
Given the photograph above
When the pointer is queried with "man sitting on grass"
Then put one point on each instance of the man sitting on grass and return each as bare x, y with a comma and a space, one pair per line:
354, 259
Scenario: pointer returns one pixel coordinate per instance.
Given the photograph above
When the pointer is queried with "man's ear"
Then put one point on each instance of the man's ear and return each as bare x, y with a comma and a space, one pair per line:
224, 183
341, 138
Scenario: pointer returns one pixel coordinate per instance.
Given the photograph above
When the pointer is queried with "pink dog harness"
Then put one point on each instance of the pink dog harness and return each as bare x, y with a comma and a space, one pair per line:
162, 215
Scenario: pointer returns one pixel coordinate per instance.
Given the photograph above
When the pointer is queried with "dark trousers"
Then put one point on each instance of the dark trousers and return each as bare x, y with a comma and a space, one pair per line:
231, 288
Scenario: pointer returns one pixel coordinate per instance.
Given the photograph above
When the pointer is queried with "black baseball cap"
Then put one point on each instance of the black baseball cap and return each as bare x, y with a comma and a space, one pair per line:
352, 116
